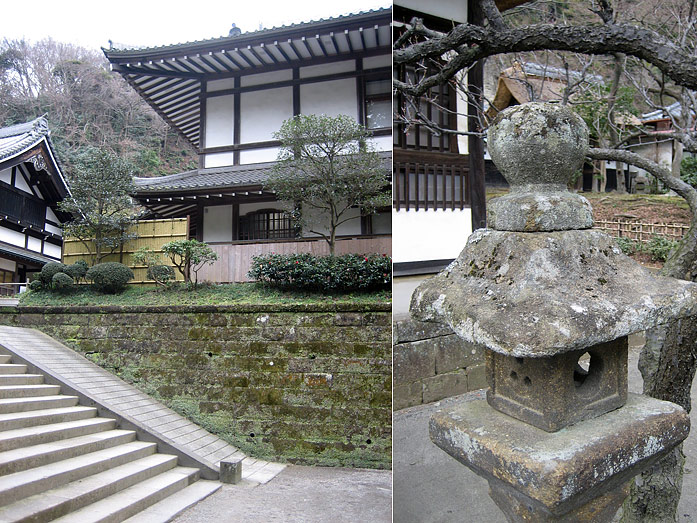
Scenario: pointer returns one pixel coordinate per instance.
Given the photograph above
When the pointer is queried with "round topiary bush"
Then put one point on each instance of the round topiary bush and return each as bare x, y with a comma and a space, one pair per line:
110, 277
77, 270
48, 271
36, 285
61, 282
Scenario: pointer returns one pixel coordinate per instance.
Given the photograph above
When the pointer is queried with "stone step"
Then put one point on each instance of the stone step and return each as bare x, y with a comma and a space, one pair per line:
28, 391
21, 379
38, 455
40, 479
12, 368
5, 358
43, 402
32, 418
24, 437
134, 499
168, 508
62, 500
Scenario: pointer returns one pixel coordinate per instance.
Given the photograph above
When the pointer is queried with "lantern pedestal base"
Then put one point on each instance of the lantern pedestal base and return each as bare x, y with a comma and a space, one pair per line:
579, 473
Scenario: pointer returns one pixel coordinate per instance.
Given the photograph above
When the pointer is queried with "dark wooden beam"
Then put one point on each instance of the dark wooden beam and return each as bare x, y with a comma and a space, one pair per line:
475, 81
367, 73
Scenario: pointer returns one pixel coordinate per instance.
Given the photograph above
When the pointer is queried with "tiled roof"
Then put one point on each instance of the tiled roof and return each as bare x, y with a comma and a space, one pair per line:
16, 139
24, 254
115, 51
219, 177
211, 178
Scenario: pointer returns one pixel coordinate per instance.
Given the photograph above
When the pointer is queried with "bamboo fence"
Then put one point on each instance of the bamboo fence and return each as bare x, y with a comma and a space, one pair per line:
640, 231
149, 233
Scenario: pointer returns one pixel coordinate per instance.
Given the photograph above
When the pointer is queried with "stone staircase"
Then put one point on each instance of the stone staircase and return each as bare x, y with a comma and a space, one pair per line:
60, 461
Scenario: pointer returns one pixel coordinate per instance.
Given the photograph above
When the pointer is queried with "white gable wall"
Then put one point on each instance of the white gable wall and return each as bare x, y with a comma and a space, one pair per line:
219, 121
262, 111
217, 223
331, 98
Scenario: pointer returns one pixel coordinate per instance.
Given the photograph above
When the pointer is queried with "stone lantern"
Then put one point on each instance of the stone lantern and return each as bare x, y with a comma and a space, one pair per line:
558, 437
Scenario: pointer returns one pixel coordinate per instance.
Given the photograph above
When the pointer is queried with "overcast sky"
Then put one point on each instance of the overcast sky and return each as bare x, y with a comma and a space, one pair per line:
92, 23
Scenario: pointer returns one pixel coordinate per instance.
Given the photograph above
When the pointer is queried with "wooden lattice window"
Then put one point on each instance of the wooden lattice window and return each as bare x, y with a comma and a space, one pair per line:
267, 224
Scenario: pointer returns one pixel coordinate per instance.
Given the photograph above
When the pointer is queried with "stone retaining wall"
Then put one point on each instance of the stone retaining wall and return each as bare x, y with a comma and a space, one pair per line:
431, 363
305, 384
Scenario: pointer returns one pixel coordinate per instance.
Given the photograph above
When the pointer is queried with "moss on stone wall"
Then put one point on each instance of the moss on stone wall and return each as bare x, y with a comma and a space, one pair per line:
302, 384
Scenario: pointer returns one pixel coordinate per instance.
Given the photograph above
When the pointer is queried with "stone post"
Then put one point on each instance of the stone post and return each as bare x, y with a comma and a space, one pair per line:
558, 437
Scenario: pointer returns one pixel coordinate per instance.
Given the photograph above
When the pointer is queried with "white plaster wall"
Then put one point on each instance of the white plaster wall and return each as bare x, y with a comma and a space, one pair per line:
375, 62
402, 289
382, 143
11, 237
217, 223
220, 85
266, 78
324, 69
462, 140
330, 98
54, 230
429, 235
218, 159
50, 215
8, 265
219, 121
21, 184
263, 112
267, 154
382, 223
6, 175
53, 251
34, 244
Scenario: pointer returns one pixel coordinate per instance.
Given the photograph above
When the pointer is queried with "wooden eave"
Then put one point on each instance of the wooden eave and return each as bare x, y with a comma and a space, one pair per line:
171, 79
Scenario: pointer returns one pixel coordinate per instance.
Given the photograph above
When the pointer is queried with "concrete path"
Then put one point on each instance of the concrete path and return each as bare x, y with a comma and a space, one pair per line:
431, 487
135, 410
302, 495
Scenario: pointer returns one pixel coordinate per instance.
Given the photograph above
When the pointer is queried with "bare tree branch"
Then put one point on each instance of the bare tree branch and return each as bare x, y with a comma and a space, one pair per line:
472, 43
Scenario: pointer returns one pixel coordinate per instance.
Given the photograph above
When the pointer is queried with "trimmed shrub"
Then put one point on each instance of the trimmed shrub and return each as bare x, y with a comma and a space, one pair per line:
659, 247
48, 271
61, 282
110, 277
189, 256
36, 285
628, 246
77, 270
350, 272
160, 274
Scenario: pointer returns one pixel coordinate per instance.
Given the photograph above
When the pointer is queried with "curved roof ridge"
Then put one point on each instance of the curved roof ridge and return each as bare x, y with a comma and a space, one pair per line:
36, 127
248, 34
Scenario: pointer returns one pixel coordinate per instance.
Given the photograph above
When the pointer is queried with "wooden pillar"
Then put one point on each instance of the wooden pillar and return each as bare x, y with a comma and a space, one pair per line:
475, 85
235, 221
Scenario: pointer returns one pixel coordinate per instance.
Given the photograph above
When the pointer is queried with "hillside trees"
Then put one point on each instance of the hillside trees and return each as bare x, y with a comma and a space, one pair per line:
86, 106
654, 45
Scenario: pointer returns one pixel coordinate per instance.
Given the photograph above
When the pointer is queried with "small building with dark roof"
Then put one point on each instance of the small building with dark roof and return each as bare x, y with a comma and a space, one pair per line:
228, 96
31, 186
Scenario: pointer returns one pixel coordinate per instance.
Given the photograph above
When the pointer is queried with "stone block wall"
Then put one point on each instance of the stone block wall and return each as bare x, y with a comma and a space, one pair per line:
430, 363
304, 384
